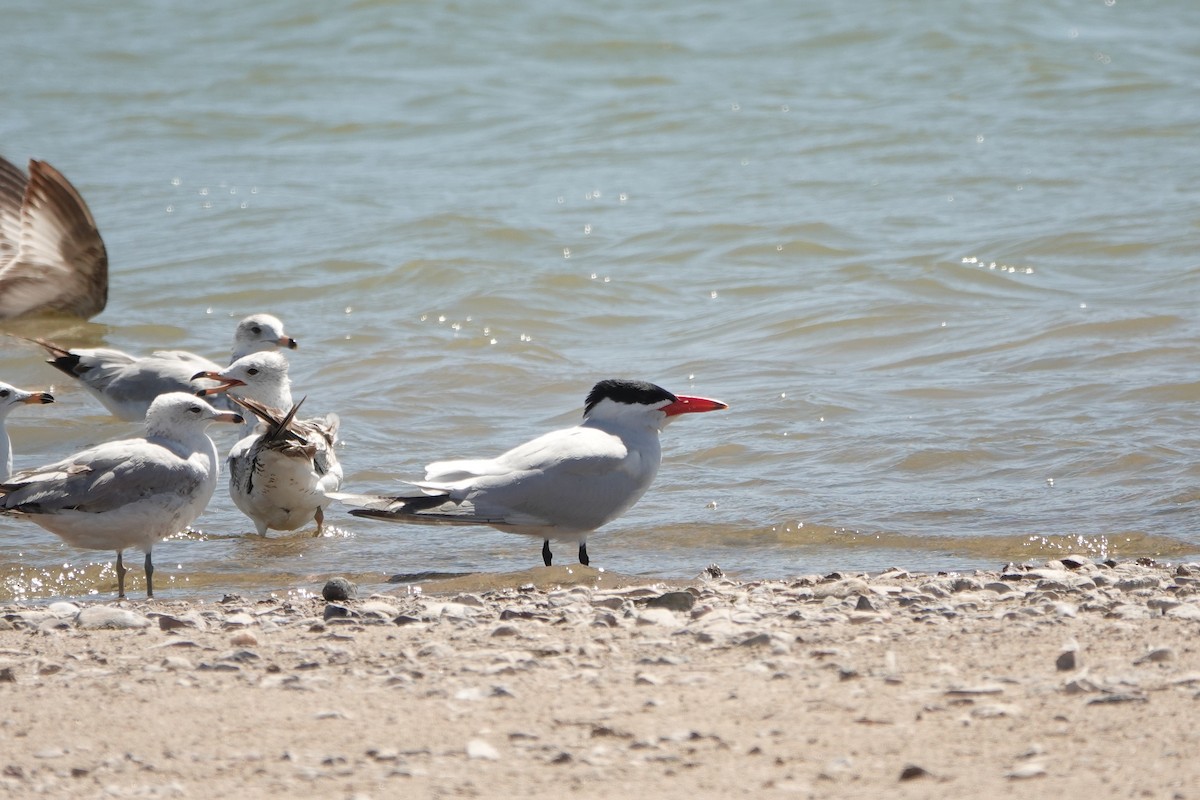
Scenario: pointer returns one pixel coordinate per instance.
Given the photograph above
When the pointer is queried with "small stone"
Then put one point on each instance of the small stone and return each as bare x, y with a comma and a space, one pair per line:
240, 656
912, 772
1126, 697
1031, 769
864, 604
1188, 611
335, 611
1067, 660
479, 749
1157, 656
1076, 562
63, 609
107, 617
7, 675
378, 609
243, 639
169, 622
177, 664
756, 640
673, 601
1081, 686
841, 588
974, 691
1162, 604
339, 590
657, 616
505, 630
1140, 582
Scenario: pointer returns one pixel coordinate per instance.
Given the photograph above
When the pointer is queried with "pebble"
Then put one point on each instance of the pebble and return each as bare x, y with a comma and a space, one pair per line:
911, 772
1157, 655
335, 611
657, 616
482, 750
1030, 769
63, 609
339, 590
170, 622
673, 601
1067, 660
97, 617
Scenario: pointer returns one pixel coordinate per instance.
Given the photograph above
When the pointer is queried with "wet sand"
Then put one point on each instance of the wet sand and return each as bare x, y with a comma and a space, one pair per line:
1069, 678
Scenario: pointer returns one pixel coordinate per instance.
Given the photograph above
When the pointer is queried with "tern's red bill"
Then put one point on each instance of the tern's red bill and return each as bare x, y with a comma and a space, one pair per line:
692, 405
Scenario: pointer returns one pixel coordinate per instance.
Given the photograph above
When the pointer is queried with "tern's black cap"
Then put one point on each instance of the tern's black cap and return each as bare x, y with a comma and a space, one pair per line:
618, 390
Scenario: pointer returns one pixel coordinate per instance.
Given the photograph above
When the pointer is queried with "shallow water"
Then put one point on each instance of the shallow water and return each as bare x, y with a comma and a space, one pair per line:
941, 261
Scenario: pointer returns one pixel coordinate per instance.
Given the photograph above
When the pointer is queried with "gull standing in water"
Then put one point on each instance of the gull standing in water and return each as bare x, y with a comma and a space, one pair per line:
562, 485
52, 259
126, 384
127, 493
282, 471
10, 398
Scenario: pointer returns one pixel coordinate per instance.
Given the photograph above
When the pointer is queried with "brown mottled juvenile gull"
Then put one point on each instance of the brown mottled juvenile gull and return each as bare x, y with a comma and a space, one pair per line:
281, 473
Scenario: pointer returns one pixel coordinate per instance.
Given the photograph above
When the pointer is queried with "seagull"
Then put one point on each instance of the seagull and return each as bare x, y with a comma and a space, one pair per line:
131, 492
262, 377
52, 258
281, 477
126, 384
562, 485
10, 398
281, 473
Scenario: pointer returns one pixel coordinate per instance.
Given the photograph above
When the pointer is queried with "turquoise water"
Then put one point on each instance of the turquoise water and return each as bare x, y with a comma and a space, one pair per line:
941, 261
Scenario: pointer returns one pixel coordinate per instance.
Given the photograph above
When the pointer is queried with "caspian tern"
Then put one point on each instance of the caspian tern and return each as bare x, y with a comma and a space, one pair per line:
10, 398
281, 473
52, 259
562, 485
127, 493
126, 384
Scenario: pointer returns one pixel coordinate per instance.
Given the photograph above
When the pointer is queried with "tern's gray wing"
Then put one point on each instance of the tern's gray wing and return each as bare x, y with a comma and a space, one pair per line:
570, 480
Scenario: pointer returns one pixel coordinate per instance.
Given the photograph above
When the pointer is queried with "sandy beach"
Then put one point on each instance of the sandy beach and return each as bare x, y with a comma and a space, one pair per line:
1068, 678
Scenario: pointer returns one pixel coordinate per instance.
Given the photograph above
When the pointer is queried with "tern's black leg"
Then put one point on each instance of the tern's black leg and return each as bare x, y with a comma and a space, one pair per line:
583, 559
120, 577
547, 556
149, 576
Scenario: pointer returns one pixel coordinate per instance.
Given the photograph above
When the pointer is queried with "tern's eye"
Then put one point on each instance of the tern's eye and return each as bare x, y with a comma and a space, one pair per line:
194, 409
252, 371
4, 393
256, 330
